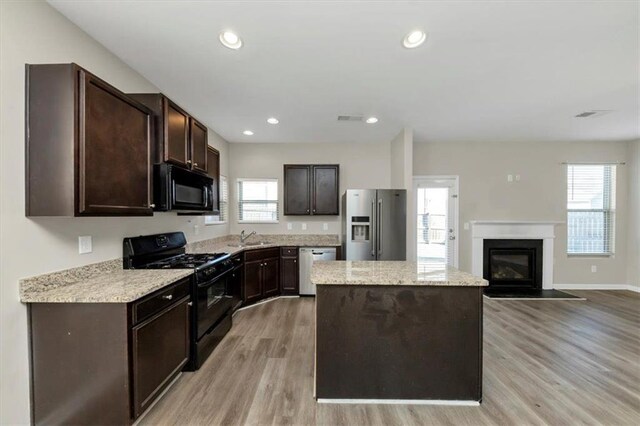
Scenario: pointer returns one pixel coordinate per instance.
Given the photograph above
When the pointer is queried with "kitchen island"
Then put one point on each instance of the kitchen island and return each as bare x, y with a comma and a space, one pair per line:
390, 331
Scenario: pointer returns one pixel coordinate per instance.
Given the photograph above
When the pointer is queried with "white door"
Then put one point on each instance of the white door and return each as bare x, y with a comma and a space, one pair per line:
436, 219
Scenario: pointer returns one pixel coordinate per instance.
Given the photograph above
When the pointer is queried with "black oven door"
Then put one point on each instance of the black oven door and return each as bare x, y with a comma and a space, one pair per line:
212, 302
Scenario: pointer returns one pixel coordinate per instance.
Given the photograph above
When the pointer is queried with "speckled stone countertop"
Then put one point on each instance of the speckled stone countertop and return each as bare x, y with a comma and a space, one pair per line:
107, 282
391, 273
229, 243
116, 286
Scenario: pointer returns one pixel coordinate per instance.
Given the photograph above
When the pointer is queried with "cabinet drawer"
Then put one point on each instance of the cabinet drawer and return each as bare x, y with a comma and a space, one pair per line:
159, 300
261, 254
289, 251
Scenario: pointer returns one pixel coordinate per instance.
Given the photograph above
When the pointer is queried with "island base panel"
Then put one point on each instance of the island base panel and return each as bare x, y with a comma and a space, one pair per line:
399, 342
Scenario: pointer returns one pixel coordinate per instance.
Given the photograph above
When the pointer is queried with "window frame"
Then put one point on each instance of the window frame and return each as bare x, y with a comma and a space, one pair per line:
277, 200
609, 194
219, 219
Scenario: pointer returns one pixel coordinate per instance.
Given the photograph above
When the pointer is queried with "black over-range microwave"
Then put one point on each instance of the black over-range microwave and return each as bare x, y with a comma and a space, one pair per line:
181, 190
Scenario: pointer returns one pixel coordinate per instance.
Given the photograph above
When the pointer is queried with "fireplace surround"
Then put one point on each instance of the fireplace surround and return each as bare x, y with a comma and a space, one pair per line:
513, 264
514, 230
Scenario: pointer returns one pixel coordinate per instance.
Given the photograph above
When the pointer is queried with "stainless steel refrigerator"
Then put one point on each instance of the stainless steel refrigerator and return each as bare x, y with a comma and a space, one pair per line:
374, 224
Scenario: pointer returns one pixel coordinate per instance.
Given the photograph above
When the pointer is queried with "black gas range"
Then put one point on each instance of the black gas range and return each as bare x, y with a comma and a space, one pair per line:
210, 288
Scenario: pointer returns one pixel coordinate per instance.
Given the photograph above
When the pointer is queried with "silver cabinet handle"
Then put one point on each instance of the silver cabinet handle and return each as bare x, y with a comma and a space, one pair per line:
295, 261
190, 304
153, 206
188, 161
168, 296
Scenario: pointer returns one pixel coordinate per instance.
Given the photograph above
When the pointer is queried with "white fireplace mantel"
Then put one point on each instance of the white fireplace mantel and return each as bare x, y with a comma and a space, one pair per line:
514, 230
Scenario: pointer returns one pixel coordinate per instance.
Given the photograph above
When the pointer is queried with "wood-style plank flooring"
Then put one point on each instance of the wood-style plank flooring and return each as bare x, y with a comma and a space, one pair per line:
545, 362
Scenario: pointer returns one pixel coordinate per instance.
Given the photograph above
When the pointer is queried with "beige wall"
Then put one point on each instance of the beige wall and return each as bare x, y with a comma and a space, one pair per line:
361, 166
633, 163
401, 161
539, 195
33, 32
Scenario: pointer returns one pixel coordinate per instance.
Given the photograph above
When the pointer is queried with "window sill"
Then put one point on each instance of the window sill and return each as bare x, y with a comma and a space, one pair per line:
581, 255
216, 223
259, 221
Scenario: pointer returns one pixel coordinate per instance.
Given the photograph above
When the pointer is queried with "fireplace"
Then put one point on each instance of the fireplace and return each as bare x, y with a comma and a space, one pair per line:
512, 265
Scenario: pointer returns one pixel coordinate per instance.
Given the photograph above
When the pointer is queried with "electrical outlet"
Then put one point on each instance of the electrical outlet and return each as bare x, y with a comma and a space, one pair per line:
509, 178
325, 226
594, 268
289, 226
466, 226
517, 178
85, 244
304, 226
196, 229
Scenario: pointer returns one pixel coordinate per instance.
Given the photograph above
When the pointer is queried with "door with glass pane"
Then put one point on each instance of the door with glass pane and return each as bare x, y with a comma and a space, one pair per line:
436, 219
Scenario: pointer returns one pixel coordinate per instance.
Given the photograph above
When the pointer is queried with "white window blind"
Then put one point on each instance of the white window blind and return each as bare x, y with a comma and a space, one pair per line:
224, 199
591, 209
258, 200
223, 216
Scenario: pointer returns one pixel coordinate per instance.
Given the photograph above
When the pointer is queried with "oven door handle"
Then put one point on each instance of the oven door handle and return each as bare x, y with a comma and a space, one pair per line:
209, 282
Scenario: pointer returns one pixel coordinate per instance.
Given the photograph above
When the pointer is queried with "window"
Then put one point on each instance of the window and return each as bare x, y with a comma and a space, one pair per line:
591, 202
223, 217
258, 200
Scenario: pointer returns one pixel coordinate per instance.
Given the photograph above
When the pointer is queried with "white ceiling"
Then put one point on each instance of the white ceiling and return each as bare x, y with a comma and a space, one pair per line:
489, 71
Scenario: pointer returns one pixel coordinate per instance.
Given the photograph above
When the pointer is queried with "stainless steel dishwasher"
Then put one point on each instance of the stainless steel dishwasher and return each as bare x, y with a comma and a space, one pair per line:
307, 256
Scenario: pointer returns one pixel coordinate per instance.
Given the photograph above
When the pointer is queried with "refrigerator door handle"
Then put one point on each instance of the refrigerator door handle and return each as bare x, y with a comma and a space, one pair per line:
379, 223
373, 228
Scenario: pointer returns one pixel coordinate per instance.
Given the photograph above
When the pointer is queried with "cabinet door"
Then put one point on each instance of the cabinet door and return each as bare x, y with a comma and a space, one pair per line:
114, 148
271, 277
176, 134
199, 144
213, 170
289, 275
235, 290
326, 187
297, 189
252, 281
160, 348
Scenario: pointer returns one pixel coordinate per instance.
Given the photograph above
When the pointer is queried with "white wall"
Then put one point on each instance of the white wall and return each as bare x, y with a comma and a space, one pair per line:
33, 32
633, 163
362, 165
539, 195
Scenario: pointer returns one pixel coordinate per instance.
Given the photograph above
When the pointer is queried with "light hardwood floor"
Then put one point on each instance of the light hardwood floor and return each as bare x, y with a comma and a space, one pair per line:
545, 362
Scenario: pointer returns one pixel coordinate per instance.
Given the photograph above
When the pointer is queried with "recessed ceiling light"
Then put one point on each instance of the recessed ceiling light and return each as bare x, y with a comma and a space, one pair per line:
273, 120
230, 40
247, 133
414, 39
371, 120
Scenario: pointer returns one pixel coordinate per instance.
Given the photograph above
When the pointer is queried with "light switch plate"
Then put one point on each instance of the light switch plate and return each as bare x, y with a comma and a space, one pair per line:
304, 226
289, 226
85, 244
466, 226
509, 178
594, 268
325, 226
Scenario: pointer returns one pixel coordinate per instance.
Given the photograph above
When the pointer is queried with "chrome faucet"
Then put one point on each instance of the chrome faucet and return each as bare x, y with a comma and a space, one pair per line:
244, 238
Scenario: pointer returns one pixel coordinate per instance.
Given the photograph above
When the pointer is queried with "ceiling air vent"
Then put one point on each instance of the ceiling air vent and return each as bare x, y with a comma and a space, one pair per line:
349, 118
594, 113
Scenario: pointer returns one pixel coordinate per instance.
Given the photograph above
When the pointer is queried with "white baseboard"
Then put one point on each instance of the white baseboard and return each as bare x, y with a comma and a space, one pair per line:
597, 287
399, 401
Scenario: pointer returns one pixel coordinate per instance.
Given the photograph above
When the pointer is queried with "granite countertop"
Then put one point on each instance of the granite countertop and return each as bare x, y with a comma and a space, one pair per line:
229, 244
119, 286
391, 273
107, 282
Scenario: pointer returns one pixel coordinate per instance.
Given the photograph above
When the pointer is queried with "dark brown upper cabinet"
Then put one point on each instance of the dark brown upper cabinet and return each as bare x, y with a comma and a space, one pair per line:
179, 138
311, 189
213, 164
88, 146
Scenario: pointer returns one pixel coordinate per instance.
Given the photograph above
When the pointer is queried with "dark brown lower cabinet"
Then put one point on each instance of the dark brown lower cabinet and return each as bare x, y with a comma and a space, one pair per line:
289, 271
160, 349
236, 282
261, 274
105, 363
